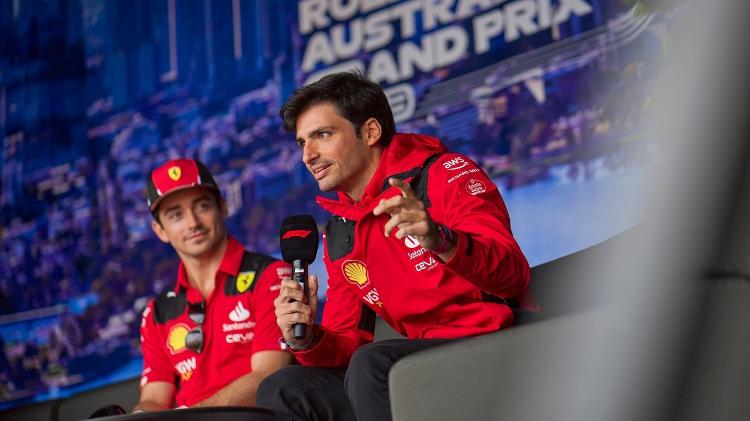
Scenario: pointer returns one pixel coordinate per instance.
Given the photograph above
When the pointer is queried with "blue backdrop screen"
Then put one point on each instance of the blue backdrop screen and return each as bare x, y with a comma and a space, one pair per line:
550, 97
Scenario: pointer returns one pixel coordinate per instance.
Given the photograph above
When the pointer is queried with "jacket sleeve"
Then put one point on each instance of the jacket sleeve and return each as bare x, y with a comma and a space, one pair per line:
463, 198
156, 364
347, 324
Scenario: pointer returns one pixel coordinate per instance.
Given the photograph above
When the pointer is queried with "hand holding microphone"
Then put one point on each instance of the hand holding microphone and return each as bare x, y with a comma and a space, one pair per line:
297, 300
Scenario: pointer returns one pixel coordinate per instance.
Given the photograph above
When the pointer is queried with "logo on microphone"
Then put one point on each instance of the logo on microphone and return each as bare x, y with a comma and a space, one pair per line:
296, 234
356, 273
245, 280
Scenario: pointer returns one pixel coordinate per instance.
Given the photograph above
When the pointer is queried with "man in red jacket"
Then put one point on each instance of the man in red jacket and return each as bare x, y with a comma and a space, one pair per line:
418, 236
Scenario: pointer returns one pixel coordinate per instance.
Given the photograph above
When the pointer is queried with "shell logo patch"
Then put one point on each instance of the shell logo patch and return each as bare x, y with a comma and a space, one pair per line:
356, 273
245, 280
175, 173
176, 338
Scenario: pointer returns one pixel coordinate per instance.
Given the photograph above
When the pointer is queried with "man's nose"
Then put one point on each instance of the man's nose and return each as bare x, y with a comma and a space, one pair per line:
193, 219
309, 153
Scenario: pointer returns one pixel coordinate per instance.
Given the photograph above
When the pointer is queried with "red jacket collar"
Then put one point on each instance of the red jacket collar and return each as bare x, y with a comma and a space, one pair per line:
229, 266
405, 153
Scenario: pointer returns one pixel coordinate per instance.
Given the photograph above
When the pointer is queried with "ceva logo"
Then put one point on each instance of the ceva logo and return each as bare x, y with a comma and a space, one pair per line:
426, 264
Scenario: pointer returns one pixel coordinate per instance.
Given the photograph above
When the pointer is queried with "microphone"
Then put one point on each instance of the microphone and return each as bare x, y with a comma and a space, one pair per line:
299, 245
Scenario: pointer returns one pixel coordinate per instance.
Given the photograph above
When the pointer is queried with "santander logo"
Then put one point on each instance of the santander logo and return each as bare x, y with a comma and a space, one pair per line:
411, 242
239, 314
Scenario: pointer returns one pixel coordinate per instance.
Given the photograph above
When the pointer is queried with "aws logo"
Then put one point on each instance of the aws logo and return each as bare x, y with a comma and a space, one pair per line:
176, 338
455, 164
356, 273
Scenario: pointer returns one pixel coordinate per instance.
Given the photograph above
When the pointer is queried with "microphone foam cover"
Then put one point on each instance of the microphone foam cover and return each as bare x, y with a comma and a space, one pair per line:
299, 238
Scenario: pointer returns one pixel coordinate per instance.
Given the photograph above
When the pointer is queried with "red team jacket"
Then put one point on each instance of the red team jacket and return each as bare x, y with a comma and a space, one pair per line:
240, 320
415, 292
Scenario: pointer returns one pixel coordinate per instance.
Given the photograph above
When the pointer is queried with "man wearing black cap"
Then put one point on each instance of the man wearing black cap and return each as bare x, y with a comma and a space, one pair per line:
213, 338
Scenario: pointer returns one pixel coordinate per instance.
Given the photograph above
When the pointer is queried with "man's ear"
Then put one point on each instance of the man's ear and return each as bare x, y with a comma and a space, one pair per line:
159, 231
224, 208
371, 131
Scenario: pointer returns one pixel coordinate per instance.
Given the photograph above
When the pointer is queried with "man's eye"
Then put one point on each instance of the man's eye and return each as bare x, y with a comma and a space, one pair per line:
301, 143
324, 135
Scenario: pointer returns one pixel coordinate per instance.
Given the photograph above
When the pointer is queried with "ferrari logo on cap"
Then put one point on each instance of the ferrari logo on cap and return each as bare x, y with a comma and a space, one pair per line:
174, 173
245, 280
356, 272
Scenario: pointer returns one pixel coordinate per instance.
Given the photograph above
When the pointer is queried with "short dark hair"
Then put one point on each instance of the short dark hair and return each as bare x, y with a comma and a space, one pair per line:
355, 98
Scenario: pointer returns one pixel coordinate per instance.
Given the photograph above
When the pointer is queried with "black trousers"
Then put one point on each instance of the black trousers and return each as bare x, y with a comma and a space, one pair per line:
359, 392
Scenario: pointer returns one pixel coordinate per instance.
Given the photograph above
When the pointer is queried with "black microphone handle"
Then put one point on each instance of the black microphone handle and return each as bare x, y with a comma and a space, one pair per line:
299, 275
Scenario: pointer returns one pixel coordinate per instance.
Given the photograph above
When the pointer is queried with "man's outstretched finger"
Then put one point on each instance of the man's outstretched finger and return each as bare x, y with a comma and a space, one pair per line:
390, 206
405, 188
